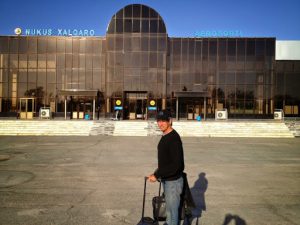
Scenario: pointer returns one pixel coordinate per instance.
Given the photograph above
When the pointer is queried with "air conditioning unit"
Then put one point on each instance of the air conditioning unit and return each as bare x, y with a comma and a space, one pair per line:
45, 113
278, 114
221, 114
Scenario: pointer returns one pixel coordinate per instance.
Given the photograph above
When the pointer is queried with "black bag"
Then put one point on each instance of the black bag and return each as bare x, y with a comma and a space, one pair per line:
159, 207
146, 220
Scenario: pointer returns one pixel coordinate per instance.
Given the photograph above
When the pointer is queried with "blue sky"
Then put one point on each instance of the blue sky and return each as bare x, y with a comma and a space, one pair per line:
183, 18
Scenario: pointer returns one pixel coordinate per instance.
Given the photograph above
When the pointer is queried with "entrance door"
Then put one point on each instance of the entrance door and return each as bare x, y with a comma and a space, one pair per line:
27, 108
136, 104
81, 108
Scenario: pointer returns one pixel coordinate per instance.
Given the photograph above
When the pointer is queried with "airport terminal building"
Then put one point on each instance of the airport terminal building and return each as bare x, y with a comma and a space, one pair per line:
136, 69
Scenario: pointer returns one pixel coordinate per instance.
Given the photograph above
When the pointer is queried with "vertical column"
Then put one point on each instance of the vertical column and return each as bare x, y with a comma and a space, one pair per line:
94, 105
204, 108
65, 108
177, 105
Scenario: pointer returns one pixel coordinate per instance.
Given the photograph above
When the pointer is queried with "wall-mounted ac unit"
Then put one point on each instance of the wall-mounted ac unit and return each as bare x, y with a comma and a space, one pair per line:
45, 113
221, 114
278, 114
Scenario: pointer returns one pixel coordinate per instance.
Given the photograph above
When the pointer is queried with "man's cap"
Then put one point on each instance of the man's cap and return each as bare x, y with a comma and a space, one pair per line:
164, 115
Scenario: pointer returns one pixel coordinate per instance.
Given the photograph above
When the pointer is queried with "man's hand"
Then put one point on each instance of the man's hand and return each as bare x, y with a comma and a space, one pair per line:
152, 178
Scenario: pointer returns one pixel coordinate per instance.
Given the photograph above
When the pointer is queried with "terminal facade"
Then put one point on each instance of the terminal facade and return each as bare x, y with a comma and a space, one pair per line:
137, 69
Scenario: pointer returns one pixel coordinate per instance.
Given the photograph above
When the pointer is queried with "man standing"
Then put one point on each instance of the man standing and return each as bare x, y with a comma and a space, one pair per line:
170, 166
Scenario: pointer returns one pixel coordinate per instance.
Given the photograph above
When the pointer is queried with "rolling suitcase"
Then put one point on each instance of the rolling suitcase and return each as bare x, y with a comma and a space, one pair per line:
146, 220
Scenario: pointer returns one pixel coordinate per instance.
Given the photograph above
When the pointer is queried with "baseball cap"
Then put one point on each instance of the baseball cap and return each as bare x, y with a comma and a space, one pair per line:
164, 115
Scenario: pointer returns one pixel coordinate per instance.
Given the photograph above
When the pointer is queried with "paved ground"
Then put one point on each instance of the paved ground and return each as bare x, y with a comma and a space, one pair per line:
99, 180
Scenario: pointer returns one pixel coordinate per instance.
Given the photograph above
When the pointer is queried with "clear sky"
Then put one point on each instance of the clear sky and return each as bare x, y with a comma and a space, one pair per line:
183, 18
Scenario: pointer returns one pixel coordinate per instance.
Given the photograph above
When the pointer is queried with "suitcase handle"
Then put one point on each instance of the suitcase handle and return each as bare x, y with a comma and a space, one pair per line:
144, 197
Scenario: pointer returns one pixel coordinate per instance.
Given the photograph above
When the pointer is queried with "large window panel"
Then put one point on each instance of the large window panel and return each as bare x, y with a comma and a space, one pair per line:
41, 61
61, 47
51, 45
42, 45
4, 45
51, 76
23, 61
22, 75
136, 43
32, 75
81, 61
51, 61
97, 61
41, 78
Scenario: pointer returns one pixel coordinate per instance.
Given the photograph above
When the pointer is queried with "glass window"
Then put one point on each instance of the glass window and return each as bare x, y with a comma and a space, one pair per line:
13, 45
136, 43
4, 45
136, 26
89, 61
89, 46
22, 45
13, 61
32, 75
162, 43
250, 78
60, 46
68, 45
240, 78
144, 43
41, 78
144, 59
136, 10
145, 26
60, 76
128, 11
98, 46
82, 43
153, 44
119, 60
89, 79
61, 60
69, 60
128, 25
51, 61
153, 59
119, 14
145, 11
153, 26
119, 26
3, 60
162, 27
81, 79
42, 45
97, 61
82, 61
75, 61
51, 76
22, 75
119, 43
22, 61
75, 45
51, 48
260, 47
153, 14
112, 26
270, 47
32, 45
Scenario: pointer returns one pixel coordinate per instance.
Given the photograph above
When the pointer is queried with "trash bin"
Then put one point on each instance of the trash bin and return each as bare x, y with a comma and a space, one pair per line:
86, 116
198, 118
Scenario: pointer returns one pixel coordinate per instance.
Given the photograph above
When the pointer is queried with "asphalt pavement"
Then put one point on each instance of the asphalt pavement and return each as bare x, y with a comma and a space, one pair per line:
99, 180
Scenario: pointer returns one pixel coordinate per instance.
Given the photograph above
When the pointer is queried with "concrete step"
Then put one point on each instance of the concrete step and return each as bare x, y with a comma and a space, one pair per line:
130, 128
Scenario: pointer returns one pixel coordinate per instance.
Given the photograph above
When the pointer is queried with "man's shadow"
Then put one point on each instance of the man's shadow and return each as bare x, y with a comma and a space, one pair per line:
238, 220
198, 193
